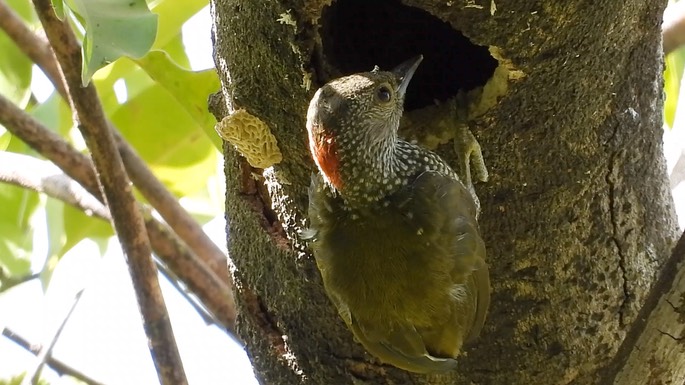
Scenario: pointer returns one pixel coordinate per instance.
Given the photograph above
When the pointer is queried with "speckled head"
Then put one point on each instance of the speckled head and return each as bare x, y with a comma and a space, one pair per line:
352, 123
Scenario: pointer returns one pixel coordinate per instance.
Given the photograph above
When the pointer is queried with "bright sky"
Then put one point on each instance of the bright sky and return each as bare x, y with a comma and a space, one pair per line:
104, 338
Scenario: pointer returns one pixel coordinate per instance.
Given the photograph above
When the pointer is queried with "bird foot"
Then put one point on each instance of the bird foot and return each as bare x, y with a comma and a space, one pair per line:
471, 160
470, 157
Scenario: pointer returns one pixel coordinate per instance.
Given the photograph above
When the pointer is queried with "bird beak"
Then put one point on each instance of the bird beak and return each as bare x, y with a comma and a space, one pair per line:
405, 71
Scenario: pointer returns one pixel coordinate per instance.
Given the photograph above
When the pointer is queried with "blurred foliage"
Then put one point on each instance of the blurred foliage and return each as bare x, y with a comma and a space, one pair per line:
15, 68
113, 29
673, 74
17, 380
159, 107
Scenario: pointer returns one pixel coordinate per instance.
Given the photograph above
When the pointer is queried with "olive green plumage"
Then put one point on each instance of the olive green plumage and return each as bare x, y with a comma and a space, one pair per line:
393, 229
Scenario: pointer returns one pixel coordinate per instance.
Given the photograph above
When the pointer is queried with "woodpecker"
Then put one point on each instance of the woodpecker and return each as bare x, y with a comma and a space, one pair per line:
393, 229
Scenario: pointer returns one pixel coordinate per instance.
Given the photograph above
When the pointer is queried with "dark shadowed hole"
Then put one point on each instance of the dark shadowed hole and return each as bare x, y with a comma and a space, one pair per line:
359, 34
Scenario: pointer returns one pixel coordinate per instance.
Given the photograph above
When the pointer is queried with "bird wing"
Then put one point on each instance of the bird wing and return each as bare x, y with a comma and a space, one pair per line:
442, 206
403, 348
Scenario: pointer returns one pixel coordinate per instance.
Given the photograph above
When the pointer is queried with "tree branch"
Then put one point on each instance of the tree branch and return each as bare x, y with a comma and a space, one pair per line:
197, 276
44, 177
8, 282
38, 50
642, 350
45, 352
115, 184
173, 213
673, 27
213, 291
678, 173
34, 46
199, 307
55, 364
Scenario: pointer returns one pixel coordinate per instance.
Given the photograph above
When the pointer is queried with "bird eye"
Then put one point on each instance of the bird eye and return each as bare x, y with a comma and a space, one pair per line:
384, 94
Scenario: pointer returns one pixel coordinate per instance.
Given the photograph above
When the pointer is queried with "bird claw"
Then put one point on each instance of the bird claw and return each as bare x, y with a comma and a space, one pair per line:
470, 159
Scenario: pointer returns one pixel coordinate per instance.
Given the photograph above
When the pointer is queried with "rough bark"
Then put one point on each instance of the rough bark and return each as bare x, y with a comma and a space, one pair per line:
577, 216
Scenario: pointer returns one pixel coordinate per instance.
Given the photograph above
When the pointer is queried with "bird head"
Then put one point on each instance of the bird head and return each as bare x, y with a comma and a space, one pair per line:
353, 120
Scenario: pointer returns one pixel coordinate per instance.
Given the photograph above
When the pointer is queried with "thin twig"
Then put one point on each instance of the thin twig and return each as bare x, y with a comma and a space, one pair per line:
38, 50
115, 184
8, 282
183, 262
201, 310
45, 352
55, 364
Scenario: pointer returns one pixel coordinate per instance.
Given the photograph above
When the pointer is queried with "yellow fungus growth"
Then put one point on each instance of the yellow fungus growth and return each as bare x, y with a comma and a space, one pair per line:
251, 137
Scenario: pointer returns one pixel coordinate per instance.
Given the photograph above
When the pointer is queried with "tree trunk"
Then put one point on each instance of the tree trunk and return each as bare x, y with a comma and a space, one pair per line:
565, 98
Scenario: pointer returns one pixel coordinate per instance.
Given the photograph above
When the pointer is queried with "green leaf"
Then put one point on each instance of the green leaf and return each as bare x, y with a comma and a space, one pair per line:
19, 146
672, 80
15, 67
114, 28
135, 78
172, 15
18, 380
78, 226
177, 51
16, 242
54, 113
5, 138
168, 139
58, 6
190, 89
54, 214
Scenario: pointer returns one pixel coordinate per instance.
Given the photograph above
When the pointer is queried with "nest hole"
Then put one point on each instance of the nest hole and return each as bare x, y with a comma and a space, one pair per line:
358, 34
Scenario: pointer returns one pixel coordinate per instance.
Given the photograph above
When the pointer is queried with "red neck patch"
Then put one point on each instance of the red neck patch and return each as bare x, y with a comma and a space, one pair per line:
325, 152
